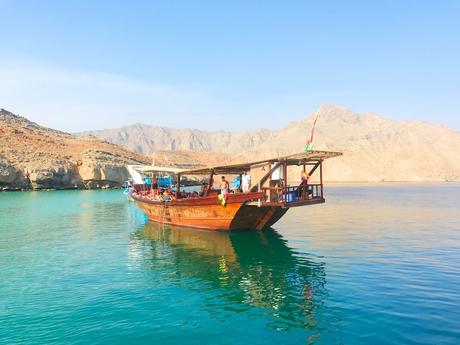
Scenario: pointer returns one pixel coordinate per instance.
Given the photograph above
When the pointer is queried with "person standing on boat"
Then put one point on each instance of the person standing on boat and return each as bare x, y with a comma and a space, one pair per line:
224, 189
224, 185
148, 181
154, 182
245, 182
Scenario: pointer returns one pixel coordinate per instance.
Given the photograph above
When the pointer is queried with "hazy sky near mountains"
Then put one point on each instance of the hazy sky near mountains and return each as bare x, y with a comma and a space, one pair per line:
79, 65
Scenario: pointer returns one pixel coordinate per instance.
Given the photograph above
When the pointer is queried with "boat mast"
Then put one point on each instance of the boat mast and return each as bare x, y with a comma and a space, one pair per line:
178, 186
211, 182
285, 176
321, 177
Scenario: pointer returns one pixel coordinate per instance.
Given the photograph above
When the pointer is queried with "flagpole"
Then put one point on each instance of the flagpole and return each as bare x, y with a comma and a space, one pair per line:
309, 143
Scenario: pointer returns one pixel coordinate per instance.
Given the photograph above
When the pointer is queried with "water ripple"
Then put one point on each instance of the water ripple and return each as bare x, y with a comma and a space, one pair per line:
374, 265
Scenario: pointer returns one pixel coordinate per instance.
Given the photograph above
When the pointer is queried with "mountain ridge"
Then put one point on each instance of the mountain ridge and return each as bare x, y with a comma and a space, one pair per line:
393, 150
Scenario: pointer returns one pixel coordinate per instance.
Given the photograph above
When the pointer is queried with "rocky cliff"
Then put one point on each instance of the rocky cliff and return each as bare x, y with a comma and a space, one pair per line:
375, 148
35, 157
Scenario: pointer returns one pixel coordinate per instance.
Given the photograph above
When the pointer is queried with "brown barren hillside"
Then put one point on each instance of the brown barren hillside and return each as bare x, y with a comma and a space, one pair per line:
32, 156
375, 148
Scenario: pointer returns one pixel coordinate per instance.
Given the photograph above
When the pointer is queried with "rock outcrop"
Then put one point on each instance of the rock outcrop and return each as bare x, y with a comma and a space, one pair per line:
8, 173
35, 157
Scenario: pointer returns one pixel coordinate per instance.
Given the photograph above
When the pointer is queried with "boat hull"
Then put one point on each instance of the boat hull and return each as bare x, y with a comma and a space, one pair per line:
208, 213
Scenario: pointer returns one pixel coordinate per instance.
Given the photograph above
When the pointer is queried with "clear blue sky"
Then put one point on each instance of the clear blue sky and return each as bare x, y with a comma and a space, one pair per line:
77, 65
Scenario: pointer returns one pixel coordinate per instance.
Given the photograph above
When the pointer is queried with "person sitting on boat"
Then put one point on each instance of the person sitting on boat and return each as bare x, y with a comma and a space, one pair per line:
224, 189
236, 185
203, 189
245, 182
304, 177
168, 195
153, 192
278, 197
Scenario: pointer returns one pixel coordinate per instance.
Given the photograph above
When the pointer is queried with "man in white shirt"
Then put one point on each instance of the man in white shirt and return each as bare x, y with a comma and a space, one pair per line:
245, 182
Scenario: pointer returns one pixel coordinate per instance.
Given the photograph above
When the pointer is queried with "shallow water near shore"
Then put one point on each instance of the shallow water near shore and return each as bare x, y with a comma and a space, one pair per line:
376, 264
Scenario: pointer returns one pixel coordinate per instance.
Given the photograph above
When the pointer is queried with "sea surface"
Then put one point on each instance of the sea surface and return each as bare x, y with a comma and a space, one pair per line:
376, 264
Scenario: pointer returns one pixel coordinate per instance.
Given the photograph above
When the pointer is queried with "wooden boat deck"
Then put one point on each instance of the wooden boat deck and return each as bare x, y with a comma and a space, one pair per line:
261, 207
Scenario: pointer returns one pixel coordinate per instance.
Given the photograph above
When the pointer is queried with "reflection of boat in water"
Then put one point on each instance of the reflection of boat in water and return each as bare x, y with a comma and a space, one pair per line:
242, 268
262, 206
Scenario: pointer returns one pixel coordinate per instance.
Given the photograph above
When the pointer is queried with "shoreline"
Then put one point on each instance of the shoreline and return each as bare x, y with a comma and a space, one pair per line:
326, 184
7, 189
392, 182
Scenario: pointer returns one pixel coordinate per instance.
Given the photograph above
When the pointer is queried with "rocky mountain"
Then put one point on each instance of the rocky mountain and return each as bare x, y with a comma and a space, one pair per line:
375, 148
35, 157
148, 139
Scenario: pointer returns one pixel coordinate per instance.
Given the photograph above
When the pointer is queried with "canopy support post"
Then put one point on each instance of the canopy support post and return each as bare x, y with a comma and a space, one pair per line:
211, 182
178, 186
285, 177
304, 183
321, 177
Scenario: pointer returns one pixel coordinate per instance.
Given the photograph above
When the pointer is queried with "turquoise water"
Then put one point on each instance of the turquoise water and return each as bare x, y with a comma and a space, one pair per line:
374, 265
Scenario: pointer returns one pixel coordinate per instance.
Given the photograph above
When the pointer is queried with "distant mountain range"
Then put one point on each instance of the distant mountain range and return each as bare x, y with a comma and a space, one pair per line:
147, 139
375, 148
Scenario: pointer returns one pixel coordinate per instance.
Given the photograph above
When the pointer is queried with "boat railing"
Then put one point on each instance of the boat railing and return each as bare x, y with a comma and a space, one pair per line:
142, 187
293, 194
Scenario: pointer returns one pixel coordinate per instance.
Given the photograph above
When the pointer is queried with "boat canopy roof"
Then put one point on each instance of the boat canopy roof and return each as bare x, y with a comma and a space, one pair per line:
152, 168
293, 159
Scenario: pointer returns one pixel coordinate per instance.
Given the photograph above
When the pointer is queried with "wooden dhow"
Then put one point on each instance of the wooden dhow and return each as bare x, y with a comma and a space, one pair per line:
263, 205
